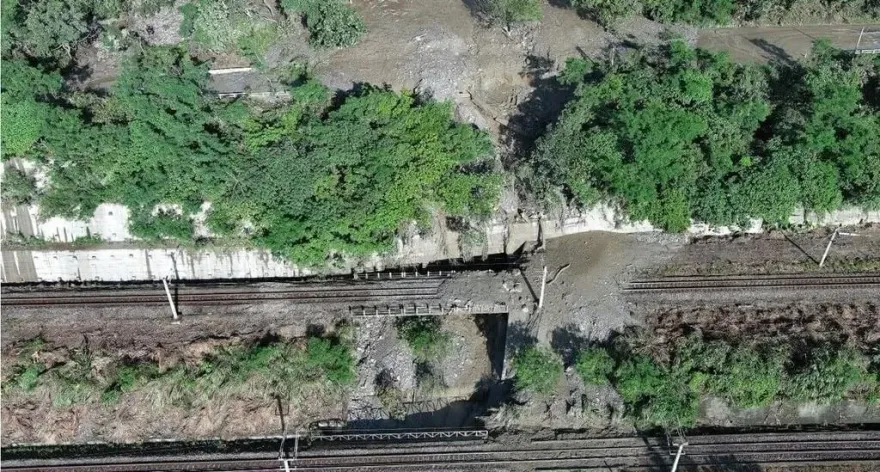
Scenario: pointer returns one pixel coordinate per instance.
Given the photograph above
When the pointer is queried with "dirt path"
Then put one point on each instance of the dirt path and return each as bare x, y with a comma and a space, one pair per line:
785, 43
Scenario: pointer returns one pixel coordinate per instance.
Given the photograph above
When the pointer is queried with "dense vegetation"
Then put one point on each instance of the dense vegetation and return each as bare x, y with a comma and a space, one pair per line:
675, 133
332, 23
53, 29
722, 12
746, 375
264, 371
307, 179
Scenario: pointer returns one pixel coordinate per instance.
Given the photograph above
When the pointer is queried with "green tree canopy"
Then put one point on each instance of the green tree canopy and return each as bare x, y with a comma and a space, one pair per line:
306, 179
675, 133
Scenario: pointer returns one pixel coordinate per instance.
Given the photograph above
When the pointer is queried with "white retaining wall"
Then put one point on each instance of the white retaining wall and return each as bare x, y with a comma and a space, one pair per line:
116, 263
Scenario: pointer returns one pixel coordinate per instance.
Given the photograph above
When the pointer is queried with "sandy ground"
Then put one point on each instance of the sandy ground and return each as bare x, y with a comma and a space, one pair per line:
439, 48
584, 275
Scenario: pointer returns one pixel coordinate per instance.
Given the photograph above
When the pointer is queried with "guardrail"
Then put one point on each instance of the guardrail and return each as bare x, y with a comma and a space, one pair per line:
426, 310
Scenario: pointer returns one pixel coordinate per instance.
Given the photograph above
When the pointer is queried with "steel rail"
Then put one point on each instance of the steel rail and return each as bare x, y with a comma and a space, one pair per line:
798, 448
317, 294
753, 282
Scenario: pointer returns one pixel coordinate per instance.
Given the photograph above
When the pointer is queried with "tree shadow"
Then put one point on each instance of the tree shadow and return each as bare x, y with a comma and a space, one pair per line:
775, 53
494, 329
479, 9
567, 341
315, 330
519, 336
535, 114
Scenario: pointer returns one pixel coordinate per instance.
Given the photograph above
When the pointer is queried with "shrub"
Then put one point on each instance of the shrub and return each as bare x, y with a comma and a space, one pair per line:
24, 377
653, 394
18, 188
514, 11
594, 365
257, 371
75, 381
128, 377
331, 360
746, 375
424, 336
164, 224
308, 179
390, 396
606, 12
750, 378
52, 26
667, 393
537, 370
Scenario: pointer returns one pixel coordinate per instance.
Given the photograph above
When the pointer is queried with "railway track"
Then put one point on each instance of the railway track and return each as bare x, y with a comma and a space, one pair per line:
755, 282
837, 448
385, 291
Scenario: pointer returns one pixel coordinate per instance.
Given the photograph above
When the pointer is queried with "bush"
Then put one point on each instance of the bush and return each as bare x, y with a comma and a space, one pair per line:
536, 370
718, 12
424, 336
51, 27
331, 23
748, 376
330, 360
74, 382
127, 378
595, 365
653, 394
228, 25
162, 225
24, 377
606, 12
750, 379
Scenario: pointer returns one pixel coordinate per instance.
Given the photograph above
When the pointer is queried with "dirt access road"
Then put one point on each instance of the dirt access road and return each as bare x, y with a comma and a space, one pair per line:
787, 43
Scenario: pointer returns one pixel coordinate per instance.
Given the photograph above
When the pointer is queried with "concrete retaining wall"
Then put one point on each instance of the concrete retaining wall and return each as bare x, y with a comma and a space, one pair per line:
127, 262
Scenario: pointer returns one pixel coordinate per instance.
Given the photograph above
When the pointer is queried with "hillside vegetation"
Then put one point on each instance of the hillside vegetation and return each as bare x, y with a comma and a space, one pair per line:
308, 178
724, 12
675, 134
670, 134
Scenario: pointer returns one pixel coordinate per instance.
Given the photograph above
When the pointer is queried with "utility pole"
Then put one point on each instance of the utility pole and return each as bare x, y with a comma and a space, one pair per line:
859, 42
836, 233
170, 300
543, 287
678, 456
